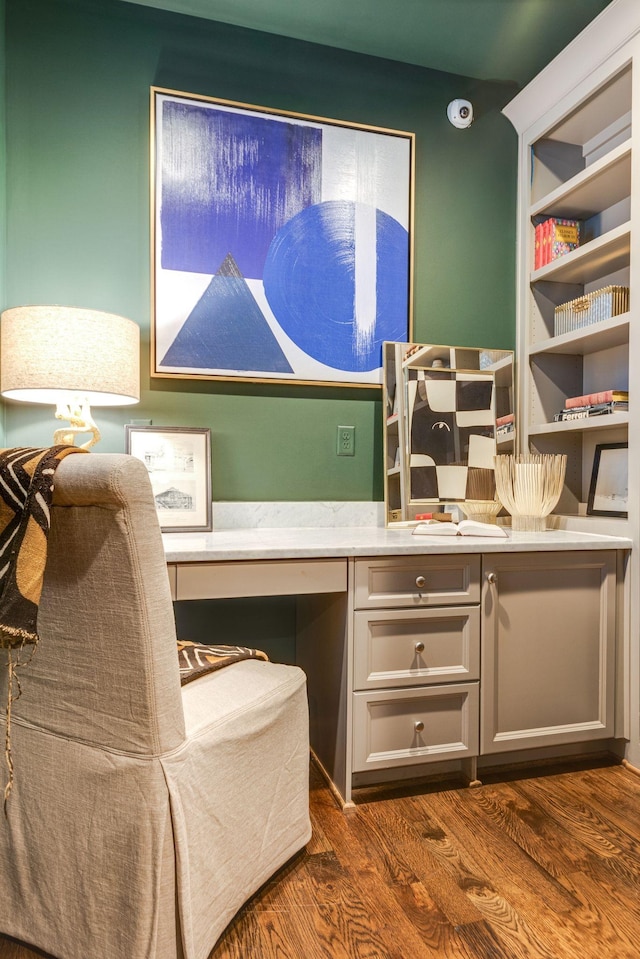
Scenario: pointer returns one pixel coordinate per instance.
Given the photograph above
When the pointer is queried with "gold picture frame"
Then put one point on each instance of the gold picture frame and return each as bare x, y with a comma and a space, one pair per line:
282, 243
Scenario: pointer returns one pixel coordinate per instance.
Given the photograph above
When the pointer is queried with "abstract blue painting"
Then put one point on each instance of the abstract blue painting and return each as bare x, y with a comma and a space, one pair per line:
282, 243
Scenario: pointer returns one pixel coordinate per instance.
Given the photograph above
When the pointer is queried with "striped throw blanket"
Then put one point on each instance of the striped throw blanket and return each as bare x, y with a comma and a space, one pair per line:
26, 492
196, 660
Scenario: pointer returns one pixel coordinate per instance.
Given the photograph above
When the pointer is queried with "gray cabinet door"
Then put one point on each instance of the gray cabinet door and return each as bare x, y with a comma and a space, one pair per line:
548, 649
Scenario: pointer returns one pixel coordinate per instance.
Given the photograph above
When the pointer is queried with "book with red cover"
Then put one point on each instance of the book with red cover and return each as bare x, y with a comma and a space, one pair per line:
537, 262
592, 399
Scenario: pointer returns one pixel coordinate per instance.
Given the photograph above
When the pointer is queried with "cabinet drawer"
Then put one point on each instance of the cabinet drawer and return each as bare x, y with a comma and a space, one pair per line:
417, 581
407, 647
260, 578
405, 727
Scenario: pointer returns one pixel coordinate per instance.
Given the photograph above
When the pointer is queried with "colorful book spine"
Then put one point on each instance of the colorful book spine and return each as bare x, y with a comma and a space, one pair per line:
592, 399
557, 238
565, 237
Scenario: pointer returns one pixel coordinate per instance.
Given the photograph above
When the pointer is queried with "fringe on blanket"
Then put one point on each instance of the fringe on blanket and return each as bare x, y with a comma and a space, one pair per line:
26, 493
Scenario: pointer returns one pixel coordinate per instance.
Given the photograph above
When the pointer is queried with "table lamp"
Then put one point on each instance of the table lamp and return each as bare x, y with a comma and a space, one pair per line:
72, 357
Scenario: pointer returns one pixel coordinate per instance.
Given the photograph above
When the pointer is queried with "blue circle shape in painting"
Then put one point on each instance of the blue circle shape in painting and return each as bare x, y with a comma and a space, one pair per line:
336, 278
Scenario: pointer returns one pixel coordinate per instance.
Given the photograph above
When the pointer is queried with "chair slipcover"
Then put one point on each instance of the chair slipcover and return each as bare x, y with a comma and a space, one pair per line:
142, 815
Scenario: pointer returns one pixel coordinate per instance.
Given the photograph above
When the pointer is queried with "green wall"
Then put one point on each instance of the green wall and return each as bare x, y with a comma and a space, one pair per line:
78, 74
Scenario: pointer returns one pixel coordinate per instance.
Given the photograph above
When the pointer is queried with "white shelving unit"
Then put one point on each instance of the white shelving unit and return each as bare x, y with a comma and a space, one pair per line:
578, 151
579, 158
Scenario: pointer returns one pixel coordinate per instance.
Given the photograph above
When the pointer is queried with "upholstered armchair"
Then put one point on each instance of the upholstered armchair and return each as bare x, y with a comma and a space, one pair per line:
143, 814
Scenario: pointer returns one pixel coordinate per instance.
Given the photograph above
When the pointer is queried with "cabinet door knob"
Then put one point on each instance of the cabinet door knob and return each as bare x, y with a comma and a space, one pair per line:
421, 582
418, 725
492, 578
419, 647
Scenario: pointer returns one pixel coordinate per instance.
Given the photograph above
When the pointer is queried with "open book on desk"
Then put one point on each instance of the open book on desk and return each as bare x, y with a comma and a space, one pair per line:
468, 527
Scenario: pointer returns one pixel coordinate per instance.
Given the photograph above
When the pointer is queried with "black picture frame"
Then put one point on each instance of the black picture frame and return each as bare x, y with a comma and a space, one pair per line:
608, 491
178, 459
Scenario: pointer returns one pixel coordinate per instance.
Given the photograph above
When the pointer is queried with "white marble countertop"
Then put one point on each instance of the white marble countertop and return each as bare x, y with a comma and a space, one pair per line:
318, 542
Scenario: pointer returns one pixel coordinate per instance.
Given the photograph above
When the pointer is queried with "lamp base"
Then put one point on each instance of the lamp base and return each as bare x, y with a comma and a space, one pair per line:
80, 421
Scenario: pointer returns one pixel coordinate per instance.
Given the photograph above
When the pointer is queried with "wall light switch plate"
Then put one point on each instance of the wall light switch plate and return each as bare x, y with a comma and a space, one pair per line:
346, 441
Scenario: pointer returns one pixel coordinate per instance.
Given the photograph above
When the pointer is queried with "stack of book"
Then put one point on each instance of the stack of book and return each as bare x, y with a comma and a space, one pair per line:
593, 404
505, 425
554, 238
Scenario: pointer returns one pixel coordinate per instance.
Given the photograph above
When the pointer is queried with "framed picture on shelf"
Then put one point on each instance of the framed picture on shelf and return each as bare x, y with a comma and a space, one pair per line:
282, 243
608, 492
178, 460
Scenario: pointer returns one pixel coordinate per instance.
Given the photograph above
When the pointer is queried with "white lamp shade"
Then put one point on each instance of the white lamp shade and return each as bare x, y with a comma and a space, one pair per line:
53, 353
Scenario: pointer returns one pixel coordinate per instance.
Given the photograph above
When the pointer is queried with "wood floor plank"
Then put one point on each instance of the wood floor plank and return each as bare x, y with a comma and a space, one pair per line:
531, 865
394, 843
526, 825
414, 913
502, 868
576, 816
369, 885
615, 814
569, 845
608, 845
608, 871
499, 879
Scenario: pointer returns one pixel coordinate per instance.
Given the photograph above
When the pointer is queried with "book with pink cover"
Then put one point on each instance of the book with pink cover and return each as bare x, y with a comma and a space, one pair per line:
603, 396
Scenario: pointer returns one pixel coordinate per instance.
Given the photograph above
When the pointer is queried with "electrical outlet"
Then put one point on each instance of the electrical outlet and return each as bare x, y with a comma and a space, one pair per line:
346, 441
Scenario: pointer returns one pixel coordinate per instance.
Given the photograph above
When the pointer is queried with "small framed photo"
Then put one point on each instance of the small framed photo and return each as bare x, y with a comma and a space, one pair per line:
609, 490
178, 459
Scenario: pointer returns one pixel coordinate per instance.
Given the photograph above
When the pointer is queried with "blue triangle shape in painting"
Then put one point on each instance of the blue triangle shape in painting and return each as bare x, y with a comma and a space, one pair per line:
226, 330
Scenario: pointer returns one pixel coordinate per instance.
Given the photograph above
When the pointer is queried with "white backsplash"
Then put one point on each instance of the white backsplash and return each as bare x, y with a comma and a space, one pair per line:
316, 514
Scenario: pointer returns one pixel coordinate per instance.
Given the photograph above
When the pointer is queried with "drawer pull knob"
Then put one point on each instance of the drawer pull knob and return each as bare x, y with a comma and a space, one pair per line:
419, 647
492, 578
418, 726
421, 582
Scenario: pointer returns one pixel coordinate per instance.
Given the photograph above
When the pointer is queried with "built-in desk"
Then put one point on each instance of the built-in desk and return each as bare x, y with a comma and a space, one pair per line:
432, 653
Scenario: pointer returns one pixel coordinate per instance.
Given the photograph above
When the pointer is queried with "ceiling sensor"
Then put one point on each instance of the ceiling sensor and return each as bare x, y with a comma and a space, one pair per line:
460, 113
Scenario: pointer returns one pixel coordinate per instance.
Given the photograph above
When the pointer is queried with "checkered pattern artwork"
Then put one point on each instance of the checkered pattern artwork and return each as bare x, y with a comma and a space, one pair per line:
452, 434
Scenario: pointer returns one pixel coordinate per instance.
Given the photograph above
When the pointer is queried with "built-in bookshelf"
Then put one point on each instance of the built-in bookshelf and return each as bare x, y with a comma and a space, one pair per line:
578, 133
578, 124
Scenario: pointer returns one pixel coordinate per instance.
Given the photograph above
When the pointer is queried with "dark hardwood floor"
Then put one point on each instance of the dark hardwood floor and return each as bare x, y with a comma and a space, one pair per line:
530, 865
